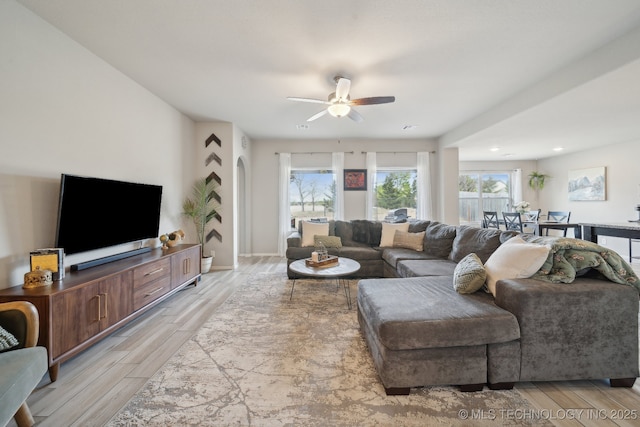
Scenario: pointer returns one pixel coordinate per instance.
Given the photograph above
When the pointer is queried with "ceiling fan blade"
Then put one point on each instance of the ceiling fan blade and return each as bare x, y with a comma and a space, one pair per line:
355, 116
315, 101
342, 88
317, 115
373, 100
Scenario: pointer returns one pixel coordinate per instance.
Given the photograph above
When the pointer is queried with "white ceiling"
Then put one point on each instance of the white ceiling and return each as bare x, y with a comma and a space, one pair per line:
522, 75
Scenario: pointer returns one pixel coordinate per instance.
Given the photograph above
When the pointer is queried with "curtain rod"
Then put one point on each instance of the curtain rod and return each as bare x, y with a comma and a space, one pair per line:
397, 152
315, 152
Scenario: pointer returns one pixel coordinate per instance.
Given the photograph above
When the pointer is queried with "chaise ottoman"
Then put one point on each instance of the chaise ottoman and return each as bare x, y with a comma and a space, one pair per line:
421, 332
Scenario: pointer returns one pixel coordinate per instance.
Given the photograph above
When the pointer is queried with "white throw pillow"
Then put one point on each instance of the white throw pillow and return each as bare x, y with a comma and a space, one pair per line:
389, 232
312, 229
514, 259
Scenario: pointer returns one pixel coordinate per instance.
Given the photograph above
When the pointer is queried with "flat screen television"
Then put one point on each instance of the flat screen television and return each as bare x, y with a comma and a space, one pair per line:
95, 213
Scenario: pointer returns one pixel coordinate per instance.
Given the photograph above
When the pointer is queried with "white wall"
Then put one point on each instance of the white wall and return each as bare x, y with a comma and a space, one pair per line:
64, 110
265, 178
622, 187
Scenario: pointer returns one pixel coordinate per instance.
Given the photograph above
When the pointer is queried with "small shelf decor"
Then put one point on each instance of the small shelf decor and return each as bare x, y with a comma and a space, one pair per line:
320, 258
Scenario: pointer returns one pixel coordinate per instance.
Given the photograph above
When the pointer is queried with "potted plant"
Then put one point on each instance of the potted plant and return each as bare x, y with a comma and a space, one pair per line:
201, 207
536, 180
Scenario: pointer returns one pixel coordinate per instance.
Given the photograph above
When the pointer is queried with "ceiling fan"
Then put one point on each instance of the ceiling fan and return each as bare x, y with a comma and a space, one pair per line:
339, 103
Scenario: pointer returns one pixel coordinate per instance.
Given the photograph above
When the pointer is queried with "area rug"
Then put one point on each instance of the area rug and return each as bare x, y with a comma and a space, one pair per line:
265, 360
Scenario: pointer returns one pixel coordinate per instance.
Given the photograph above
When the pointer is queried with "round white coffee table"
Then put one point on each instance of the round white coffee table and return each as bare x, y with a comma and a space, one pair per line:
345, 267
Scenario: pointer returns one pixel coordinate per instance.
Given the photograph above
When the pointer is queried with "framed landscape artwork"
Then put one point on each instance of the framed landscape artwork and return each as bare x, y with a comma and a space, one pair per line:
587, 184
355, 179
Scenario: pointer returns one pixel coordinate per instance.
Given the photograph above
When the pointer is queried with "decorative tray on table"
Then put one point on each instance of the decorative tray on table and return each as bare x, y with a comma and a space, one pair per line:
329, 261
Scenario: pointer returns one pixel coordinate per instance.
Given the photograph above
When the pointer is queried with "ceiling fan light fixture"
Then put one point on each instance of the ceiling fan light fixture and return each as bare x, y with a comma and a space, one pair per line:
339, 110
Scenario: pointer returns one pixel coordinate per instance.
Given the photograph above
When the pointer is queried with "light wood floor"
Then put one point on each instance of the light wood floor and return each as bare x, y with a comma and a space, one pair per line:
94, 385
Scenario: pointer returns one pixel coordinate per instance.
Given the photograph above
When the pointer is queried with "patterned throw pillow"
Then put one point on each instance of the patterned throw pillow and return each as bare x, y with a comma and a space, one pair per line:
469, 275
328, 241
408, 240
7, 340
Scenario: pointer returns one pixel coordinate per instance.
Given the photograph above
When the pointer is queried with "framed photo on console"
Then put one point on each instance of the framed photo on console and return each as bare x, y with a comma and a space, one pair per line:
355, 179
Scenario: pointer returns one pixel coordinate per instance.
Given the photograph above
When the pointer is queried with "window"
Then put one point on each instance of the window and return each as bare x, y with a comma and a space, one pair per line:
483, 191
395, 189
312, 194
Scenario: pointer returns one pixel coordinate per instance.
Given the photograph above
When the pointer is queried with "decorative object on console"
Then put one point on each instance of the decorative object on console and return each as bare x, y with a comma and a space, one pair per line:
48, 259
38, 278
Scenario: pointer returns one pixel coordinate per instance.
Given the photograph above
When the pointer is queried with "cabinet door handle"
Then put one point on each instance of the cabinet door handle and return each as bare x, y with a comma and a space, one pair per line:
186, 266
106, 307
154, 272
155, 291
99, 308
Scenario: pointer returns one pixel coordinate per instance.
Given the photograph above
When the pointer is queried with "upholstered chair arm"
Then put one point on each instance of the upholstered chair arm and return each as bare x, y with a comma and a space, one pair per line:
20, 318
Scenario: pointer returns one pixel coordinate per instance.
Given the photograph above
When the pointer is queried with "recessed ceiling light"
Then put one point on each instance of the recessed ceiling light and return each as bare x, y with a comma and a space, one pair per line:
302, 127
494, 149
409, 127
508, 155
558, 149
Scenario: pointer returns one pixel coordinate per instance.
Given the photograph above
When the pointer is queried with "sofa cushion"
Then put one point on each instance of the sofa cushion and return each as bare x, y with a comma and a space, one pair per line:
514, 259
438, 239
418, 225
427, 267
389, 233
393, 255
360, 253
426, 312
481, 241
469, 275
344, 230
414, 241
328, 241
367, 232
312, 229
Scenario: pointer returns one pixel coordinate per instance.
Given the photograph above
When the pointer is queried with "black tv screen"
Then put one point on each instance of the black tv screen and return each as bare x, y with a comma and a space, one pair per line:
96, 213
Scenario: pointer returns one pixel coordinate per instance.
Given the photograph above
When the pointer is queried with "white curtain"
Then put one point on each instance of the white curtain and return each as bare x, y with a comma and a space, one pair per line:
423, 176
284, 228
337, 165
371, 179
517, 186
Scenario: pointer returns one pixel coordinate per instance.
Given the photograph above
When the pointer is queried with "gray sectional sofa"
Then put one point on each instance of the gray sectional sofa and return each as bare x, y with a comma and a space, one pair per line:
421, 331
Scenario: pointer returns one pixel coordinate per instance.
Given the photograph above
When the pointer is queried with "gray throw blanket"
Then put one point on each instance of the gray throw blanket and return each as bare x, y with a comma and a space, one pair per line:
570, 257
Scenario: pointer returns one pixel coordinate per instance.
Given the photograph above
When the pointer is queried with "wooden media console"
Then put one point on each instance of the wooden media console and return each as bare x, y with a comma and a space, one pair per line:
87, 305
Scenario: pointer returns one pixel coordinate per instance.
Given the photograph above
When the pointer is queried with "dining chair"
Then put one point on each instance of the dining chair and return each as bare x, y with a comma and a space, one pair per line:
560, 217
533, 216
490, 219
512, 221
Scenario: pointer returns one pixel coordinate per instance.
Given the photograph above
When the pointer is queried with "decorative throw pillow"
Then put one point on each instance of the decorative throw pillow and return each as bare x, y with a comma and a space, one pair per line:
328, 241
514, 259
312, 229
469, 275
402, 239
7, 340
389, 232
